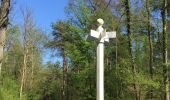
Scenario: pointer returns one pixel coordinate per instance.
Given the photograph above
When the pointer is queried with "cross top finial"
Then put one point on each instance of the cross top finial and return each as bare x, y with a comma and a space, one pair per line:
100, 21
100, 33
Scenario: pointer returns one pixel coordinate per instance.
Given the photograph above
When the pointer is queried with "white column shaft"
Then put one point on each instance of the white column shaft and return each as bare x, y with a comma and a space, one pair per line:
100, 71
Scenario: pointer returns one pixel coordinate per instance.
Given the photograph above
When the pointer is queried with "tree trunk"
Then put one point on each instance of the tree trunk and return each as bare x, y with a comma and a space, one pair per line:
128, 25
150, 44
150, 40
65, 69
165, 51
2, 43
23, 73
32, 69
4, 12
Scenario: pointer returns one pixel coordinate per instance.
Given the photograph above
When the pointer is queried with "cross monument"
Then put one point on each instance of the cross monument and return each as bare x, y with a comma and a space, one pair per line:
102, 36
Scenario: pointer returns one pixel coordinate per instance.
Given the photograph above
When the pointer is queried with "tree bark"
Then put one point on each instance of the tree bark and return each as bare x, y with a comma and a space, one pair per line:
128, 26
150, 40
23, 73
2, 43
4, 12
165, 51
150, 43
65, 69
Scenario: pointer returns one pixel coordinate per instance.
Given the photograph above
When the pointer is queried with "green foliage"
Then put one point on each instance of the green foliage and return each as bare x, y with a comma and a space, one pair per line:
9, 87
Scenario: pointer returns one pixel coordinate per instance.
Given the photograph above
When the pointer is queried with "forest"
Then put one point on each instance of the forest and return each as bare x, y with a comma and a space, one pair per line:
136, 64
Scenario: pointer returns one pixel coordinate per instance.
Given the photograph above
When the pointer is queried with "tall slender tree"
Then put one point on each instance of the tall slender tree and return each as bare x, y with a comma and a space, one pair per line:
26, 43
149, 37
60, 42
129, 34
150, 41
165, 50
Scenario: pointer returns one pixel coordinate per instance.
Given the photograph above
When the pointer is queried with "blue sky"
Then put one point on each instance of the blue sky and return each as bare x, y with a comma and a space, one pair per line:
45, 12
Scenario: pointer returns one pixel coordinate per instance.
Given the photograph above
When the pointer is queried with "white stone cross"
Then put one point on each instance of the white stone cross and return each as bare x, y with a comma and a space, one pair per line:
103, 36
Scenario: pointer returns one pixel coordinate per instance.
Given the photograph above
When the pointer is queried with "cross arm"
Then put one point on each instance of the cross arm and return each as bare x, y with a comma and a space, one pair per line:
111, 34
94, 34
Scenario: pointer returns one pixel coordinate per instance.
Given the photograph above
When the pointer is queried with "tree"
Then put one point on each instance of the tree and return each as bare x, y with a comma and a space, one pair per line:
32, 40
130, 47
4, 12
60, 42
150, 40
165, 51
